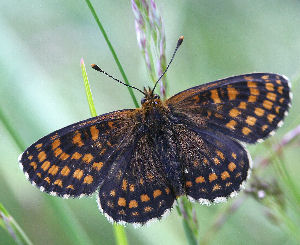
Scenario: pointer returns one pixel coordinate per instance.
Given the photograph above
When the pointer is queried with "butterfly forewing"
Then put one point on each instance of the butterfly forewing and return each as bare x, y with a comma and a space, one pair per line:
247, 107
74, 160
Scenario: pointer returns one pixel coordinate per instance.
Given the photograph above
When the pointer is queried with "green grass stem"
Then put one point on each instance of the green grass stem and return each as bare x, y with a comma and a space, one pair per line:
119, 231
112, 51
12, 227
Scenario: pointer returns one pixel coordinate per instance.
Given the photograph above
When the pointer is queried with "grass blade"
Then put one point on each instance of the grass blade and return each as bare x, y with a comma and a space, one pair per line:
112, 51
119, 231
12, 227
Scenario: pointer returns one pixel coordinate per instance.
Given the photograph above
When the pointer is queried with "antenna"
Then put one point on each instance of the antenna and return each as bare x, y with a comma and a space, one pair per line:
97, 68
179, 42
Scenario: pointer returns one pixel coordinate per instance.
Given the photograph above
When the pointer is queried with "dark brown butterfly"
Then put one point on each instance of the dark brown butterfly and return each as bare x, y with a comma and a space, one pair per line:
141, 160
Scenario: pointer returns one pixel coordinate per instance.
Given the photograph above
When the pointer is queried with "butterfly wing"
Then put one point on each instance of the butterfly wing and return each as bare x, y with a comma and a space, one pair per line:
246, 107
74, 160
139, 191
215, 166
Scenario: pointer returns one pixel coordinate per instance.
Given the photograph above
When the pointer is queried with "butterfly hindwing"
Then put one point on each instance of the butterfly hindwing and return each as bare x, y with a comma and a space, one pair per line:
137, 192
217, 170
246, 107
74, 160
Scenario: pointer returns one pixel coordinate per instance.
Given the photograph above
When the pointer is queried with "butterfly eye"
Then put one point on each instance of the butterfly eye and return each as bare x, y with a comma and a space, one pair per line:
156, 96
143, 100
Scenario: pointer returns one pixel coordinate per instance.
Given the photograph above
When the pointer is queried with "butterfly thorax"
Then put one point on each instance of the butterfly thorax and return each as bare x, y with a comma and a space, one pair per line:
153, 110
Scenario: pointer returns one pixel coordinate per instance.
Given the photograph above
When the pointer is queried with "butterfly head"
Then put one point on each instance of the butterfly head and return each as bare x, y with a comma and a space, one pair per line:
150, 98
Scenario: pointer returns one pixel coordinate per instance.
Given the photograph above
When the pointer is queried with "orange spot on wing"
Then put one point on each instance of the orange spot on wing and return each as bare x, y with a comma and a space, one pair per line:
267, 104
57, 152
251, 120
47, 179
112, 193
232, 92
234, 112
215, 96
38, 146
225, 175
251, 84
64, 156
58, 182
271, 96
34, 165
264, 127
30, 157
77, 139
231, 124
246, 130
167, 190
216, 187
200, 179
70, 187
78, 173
188, 184
124, 185
145, 198
271, 117
53, 170
265, 77
76, 155
212, 177
39, 175
228, 184
243, 105
45, 165
111, 125
148, 209
88, 179
280, 89
42, 156
87, 158
231, 167
94, 132
259, 111
131, 187
55, 144
233, 155
252, 99
254, 91
156, 193
65, 171
270, 86
122, 202
221, 155
133, 204
216, 161
97, 165
249, 78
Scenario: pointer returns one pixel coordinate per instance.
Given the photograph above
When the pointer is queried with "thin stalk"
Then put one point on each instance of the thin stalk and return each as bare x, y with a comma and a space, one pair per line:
12, 227
119, 231
112, 51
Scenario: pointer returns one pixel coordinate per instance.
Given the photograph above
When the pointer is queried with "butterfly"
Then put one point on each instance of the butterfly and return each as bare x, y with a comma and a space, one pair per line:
141, 160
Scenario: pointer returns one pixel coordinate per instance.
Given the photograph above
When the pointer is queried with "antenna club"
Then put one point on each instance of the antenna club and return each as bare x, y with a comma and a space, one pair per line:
180, 40
95, 67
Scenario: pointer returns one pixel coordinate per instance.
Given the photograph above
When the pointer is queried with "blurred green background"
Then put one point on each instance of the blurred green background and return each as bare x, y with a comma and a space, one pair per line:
41, 90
